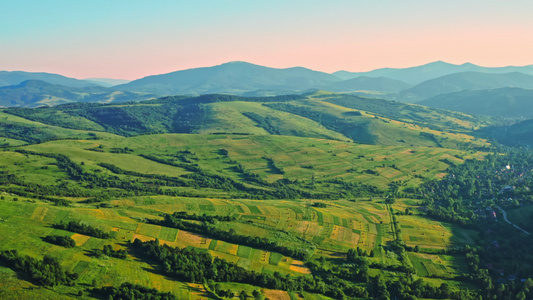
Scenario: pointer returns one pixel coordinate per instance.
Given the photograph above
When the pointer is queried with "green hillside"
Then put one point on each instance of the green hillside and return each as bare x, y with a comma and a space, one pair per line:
119, 184
318, 115
519, 134
321, 196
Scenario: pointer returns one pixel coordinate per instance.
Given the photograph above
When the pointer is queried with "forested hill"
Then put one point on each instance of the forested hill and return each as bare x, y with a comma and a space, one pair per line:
34, 93
319, 115
502, 102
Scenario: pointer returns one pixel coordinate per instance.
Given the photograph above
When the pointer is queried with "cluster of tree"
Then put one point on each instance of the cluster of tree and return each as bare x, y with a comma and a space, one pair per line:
171, 162
193, 266
46, 272
203, 217
467, 196
78, 227
27, 133
108, 251
352, 189
163, 180
65, 241
349, 280
14, 185
354, 255
124, 150
455, 197
216, 289
133, 291
267, 123
247, 174
210, 230
431, 137
330, 121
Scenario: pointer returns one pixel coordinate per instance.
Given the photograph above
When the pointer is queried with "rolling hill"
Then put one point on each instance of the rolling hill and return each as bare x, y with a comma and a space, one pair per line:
318, 115
465, 81
33, 93
502, 102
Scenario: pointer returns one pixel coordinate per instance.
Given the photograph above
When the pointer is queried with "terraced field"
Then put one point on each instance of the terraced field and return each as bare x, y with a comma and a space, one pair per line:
342, 225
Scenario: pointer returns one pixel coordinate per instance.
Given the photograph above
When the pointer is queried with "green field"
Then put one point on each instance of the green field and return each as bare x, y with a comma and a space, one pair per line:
282, 187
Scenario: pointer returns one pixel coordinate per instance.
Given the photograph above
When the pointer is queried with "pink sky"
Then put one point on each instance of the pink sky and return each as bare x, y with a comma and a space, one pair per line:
133, 39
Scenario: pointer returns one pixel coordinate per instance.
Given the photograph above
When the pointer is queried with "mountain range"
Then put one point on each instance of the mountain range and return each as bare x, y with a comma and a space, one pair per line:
8, 78
416, 84
33, 93
418, 74
463, 82
106, 82
502, 102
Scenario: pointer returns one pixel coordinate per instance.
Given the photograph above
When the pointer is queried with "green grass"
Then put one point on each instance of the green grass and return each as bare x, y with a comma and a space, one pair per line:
254, 209
168, 234
206, 207
249, 152
303, 155
248, 217
26, 230
244, 251
275, 258
320, 217
213, 244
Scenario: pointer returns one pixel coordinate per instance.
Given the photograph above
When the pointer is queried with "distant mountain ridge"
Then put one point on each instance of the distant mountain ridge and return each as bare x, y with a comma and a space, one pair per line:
8, 78
466, 81
107, 82
231, 78
418, 74
246, 79
242, 78
32, 93
363, 83
503, 102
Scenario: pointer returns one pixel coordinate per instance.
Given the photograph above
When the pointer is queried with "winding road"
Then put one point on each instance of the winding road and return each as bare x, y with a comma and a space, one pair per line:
506, 220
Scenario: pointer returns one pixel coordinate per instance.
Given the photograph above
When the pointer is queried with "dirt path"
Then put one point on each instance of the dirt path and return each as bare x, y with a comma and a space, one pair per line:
506, 220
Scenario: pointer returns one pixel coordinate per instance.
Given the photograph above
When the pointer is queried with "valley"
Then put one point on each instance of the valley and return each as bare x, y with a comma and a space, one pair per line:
312, 196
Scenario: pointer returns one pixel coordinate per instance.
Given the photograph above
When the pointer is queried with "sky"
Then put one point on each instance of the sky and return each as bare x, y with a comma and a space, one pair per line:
130, 39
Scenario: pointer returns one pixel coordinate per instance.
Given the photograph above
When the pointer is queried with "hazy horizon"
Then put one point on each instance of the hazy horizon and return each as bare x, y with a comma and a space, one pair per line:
134, 39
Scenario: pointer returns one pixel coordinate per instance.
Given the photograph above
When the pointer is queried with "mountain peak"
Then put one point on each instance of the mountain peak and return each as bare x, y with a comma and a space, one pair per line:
33, 83
235, 77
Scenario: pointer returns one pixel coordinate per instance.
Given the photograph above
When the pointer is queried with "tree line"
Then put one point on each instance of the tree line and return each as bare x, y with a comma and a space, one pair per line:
177, 220
78, 227
45, 272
